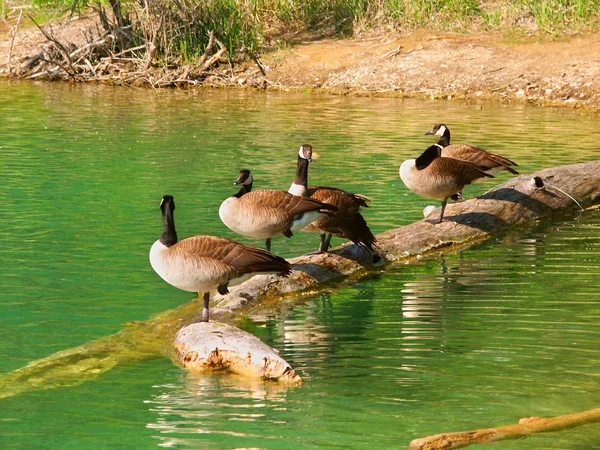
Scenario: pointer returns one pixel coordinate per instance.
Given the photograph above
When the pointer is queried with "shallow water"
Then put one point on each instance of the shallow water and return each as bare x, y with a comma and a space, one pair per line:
503, 330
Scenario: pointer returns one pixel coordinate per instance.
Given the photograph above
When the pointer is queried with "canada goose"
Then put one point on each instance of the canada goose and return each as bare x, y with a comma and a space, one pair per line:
488, 162
265, 213
347, 222
434, 176
203, 263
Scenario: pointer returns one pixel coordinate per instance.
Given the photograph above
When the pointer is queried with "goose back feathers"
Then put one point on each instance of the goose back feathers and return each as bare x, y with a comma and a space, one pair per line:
347, 222
434, 176
438, 177
204, 263
266, 213
489, 162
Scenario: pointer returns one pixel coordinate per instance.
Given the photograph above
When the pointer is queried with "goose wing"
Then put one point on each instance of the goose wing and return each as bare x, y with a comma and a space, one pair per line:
461, 171
285, 202
343, 200
478, 156
237, 258
347, 223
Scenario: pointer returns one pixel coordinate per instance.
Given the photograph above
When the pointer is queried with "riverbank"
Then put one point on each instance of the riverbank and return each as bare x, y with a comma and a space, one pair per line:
563, 72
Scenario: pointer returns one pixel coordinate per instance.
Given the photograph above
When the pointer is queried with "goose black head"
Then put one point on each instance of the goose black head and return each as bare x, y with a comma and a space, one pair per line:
244, 178
305, 152
428, 156
166, 201
438, 129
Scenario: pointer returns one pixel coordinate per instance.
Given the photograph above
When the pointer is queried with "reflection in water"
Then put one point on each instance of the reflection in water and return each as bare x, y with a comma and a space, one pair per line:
190, 408
508, 330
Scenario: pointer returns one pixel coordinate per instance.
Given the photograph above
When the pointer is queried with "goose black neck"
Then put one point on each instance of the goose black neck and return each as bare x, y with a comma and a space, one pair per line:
243, 190
169, 236
302, 172
445, 139
427, 157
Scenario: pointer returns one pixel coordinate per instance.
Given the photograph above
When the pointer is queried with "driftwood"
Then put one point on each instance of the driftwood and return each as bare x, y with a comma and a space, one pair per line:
525, 427
515, 203
13, 31
208, 346
111, 55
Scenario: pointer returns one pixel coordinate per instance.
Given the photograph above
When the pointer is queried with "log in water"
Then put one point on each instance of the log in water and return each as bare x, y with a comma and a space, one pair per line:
210, 346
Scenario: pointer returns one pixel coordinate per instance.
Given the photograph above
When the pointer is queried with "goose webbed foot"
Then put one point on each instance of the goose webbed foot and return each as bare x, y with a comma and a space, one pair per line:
457, 197
439, 219
223, 289
325, 242
444, 203
324, 245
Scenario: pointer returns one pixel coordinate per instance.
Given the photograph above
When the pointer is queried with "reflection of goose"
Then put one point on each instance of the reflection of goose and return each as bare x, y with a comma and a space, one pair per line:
347, 222
434, 176
265, 213
203, 263
489, 162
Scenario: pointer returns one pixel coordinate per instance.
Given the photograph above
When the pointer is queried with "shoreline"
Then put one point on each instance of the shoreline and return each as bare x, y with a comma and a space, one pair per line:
422, 64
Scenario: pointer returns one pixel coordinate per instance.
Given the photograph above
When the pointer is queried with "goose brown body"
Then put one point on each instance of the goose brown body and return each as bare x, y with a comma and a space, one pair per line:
487, 161
434, 176
205, 263
347, 222
267, 213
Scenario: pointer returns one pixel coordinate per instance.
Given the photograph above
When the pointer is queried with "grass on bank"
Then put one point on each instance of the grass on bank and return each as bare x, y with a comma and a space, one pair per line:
180, 28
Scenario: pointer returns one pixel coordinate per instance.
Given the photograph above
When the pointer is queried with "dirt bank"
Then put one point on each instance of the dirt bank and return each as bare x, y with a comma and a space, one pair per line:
425, 64
565, 72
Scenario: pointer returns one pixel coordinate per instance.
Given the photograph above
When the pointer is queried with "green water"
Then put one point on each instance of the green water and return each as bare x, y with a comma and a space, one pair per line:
503, 330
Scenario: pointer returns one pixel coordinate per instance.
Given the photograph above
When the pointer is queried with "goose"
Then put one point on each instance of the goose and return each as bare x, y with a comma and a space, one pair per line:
347, 222
204, 263
266, 213
434, 176
488, 162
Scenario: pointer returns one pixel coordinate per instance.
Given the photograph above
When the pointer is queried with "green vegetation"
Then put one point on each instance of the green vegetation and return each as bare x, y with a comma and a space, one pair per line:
182, 27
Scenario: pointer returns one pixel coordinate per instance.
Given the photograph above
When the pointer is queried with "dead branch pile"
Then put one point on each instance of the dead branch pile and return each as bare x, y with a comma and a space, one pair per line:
139, 48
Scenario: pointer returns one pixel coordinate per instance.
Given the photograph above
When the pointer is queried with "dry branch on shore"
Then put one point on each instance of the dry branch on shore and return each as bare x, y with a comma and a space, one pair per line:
102, 59
132, 50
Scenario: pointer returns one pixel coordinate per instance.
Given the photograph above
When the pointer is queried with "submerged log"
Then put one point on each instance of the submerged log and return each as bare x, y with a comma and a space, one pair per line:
209, 346
525, 427
515, 203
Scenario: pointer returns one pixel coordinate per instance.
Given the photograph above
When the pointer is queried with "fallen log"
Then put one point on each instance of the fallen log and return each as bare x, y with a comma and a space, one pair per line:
520, 200
525, 427
515, 203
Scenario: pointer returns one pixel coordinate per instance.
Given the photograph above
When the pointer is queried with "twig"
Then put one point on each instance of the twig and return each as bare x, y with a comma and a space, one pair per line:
60, 48
214, 58
209, 46
12, 41
493, 70
133, 49
391, 54
259, 64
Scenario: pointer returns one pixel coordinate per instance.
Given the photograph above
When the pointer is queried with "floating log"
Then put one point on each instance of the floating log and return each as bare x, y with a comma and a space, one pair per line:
515, 203
525, 427
209, 346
